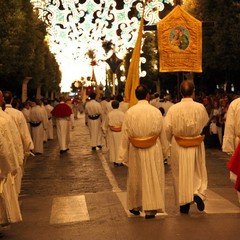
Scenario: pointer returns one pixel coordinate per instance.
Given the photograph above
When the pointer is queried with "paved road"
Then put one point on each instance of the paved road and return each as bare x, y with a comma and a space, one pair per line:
80, 195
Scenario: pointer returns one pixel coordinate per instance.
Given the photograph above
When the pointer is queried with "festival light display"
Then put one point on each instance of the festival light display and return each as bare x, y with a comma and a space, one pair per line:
76, 26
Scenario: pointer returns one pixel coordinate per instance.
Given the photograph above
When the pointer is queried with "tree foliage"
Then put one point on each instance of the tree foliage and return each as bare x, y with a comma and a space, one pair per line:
221, 40
23, 51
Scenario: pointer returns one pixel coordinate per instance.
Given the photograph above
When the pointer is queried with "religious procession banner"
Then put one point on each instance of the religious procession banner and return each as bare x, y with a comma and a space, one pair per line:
180, 42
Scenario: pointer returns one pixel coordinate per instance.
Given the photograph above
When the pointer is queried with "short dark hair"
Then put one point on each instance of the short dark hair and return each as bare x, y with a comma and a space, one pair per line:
7, 97
187, 88
119, 98
93, 95
162, 110
115, 104
141, 92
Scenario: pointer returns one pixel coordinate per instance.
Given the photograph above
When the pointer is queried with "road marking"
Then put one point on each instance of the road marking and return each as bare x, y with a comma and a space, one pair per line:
109, 173
69, 209
216, 204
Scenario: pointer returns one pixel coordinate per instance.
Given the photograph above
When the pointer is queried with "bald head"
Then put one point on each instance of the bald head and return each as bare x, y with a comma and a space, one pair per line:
187, 88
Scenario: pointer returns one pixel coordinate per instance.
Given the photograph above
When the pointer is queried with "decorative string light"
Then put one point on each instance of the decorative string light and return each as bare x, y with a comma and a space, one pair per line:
75, 26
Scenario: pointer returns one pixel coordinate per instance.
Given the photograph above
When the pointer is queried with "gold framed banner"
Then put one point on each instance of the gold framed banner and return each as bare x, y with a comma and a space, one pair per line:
180, 42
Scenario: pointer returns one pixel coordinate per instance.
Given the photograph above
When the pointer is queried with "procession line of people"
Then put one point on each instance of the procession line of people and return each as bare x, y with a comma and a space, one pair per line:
142, 139
15, 146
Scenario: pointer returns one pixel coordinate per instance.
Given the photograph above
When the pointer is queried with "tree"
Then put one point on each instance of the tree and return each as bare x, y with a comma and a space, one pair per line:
22, 48
221, 41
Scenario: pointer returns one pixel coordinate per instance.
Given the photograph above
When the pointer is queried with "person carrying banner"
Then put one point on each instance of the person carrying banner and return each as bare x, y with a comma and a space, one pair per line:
184, 124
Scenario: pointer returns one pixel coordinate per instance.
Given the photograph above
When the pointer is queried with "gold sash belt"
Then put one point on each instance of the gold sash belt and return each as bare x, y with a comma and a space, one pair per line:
189, 141
143, 142
115, 128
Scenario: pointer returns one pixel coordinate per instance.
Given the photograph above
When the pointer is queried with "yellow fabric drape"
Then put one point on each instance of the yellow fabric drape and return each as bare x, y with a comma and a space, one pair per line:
133, 72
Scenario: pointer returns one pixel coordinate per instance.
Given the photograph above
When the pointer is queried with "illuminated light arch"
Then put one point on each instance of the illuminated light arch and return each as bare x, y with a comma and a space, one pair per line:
75, 26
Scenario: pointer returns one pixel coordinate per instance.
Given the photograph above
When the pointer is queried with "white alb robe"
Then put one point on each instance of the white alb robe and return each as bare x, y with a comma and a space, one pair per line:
21, 123
123, 106
231, 137
49, 108
95, 126
37, 115
9, 166
114, 118
187, 119
63, 132
145, 183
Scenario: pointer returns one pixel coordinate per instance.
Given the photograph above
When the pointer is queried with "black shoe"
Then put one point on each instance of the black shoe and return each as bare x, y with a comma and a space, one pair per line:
94, 148
185, 208
135, 212
149, 216
63, 151
38, 153
199, 202
117, 164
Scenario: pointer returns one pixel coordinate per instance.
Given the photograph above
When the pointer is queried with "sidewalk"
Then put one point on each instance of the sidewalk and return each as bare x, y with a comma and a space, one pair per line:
80, 195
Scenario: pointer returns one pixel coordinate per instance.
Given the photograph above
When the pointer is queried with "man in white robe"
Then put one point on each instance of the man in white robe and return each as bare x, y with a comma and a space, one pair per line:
20, 121
93, 111
11, 154
113, 129
184, 124
143, 148
49, 108
26, 112
38, 122
123, 106
62, 113
231, 137
9, 167
21, 124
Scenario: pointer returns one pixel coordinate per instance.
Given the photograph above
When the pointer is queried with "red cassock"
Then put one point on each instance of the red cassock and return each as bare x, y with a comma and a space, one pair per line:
61, 110
234, 166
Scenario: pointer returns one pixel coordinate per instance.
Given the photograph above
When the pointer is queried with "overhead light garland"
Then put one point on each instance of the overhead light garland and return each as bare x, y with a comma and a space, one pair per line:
75, 26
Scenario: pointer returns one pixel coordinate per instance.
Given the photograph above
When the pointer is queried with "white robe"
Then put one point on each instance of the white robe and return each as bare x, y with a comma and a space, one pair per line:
45, 114
16, 148
37, 115
21, 123
95, 126
9, 166
114, 118
187, 119
49, 108
26, 113
232, 132
232, 127
145, 183
123, 106
63, 132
